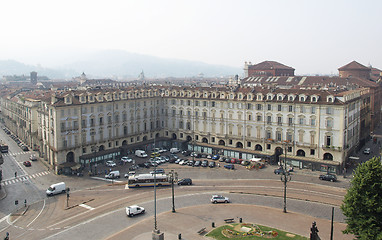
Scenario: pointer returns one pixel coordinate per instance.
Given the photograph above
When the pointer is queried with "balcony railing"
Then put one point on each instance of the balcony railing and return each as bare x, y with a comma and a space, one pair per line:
334, 148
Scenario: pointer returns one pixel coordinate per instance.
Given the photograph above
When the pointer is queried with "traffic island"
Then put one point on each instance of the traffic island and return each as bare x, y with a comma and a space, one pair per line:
250, 231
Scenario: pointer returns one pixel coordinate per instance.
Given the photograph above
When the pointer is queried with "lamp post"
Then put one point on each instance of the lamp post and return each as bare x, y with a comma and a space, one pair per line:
173, 177
156, 235
285, 177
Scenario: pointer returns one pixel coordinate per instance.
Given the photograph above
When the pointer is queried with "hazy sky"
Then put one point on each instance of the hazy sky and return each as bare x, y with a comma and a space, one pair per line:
313, 36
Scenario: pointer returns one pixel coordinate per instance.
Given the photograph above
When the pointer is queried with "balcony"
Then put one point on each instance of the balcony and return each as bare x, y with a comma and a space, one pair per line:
333, 148
308, 145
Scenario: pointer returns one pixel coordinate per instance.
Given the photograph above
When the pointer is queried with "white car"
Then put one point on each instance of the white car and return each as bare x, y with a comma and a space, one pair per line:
111, 164
366, 151
134, 210
126, 159
219, 199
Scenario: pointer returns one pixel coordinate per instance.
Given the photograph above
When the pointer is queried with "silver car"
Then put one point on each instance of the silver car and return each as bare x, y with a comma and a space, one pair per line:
219, 199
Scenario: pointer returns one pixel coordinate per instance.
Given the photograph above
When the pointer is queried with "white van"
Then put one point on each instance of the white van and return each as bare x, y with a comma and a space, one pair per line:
174, 150
134, 210
140, 153
56, 189
113, 174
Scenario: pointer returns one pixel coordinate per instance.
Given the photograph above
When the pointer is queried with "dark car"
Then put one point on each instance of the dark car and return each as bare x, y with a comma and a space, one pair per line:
212, 164
230, 166
185, 181
191, 163
222, 159
197, 163
27, 164
186, 153
215, 157
204, 163
328, 177
24, 148
279, 171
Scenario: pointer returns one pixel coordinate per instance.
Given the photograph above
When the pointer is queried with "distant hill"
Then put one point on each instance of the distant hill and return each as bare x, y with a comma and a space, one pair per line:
118, 63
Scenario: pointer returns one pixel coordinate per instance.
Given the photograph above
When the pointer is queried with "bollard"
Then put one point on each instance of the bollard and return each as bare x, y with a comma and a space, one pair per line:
180, 236
240, 220
213, 224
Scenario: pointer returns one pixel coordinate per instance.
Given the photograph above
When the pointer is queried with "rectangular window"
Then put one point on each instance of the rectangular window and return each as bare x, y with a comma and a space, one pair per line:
213, 104
258, 106
329, 110
258, 117
269, 119
290, 121
230, 142
290, 108
313, 110
279, 121
301, 121
279, 107
313, 122
312, 151
248, 144
205, 103
269, 107
268, 146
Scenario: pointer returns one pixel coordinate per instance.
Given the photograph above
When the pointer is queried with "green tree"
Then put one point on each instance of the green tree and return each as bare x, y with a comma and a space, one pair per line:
362, 205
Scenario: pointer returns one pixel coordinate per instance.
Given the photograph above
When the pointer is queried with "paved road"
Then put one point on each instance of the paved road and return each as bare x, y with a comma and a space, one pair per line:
104, 211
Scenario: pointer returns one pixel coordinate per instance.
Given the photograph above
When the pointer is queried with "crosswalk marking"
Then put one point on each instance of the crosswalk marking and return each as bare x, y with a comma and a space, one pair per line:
23, 178
86, 206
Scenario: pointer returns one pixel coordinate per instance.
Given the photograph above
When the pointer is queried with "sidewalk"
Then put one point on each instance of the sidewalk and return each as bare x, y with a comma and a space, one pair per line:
188, 221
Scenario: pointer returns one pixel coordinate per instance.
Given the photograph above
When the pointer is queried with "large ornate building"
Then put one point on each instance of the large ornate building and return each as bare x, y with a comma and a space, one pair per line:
318, 129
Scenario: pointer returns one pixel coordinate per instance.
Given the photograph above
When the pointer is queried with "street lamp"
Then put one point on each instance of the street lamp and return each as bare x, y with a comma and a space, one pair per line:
285, 177
173, 177
156, 235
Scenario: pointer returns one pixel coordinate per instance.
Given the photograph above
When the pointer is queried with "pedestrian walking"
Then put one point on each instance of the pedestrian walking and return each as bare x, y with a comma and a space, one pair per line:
15, 174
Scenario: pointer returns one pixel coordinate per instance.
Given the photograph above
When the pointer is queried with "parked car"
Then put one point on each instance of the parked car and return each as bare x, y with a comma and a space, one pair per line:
185, 181
204, 163
222, 159
279, 171
155, 154
219, 199
174, 150
27, 164
162, 150
157, 171
203, 155
178, 160
134, 210
24, 148
212, 164
111, 164
191, 163
126, 159
367, 151
328, 177
197, 163
228, 160
186, 153
33, 158
215, 157
230, 166
209, 156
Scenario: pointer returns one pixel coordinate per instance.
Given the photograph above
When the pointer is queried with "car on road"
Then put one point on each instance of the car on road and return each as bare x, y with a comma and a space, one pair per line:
33, 158
131, 173
134, 210
367, 151
111, 164
219, 199
230, 166
328, 177
126, 159
185, 181
27, 164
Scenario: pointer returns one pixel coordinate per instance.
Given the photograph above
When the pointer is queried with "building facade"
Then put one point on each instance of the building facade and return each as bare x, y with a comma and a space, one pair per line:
313, 129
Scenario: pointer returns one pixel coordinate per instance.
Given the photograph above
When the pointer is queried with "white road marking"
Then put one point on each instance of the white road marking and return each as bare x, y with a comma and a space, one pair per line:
126, 186
107, 180
38, 214
86, 206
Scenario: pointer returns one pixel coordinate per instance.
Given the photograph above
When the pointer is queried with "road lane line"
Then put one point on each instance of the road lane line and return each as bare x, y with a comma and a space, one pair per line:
38, 214
86, 206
